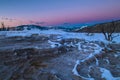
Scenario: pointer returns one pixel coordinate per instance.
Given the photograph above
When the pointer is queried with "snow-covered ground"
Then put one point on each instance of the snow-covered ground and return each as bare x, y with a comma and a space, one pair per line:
61, 34
66, 64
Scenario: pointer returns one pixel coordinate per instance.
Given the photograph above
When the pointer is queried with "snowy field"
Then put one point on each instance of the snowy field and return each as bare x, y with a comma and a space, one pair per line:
72, 50
61, 35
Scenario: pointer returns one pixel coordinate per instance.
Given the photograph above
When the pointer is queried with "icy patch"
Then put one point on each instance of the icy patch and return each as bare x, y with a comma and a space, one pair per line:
106, 74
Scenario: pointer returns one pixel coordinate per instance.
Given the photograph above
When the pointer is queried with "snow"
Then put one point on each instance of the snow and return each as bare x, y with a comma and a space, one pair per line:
83, 27
117, 39
61, 34
54, 44
90, 56
70, 45
75, 72
52, 31
106, 74
97, 50
116, 55
79, 46
97, 61
75, 68
107, 60
66, 35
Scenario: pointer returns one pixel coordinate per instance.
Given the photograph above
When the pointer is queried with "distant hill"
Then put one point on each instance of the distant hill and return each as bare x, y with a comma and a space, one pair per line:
28, 27
68, 26
97, 28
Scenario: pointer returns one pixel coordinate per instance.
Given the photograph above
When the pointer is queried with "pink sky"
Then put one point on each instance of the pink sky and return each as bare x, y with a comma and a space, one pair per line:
54, 12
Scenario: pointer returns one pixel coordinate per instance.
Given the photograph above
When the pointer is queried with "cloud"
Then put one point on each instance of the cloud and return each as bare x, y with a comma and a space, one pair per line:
40, 23
31, 21
8, 19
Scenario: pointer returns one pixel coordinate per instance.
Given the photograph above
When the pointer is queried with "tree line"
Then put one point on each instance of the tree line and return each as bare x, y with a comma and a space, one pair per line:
3, 27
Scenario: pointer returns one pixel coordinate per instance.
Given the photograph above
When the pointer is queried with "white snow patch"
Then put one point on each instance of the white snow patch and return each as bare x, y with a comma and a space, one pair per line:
106, 74
97, 61
70, 44
79, 46
97, 49
108, 62
116, 55
54, 44
63, 34
75, 72
83, 27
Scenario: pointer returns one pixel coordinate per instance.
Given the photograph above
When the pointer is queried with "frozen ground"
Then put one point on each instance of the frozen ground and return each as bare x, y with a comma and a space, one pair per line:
54, 54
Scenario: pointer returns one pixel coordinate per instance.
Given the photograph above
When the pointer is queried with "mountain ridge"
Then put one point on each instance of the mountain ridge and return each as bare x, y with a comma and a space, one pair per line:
97, 27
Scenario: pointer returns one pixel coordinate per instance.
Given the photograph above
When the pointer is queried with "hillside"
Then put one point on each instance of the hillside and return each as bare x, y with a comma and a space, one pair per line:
24, 27
97, 28
29, 27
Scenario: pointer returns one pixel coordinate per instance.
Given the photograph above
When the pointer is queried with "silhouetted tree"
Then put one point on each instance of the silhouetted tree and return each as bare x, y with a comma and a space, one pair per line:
108, 30
3, 26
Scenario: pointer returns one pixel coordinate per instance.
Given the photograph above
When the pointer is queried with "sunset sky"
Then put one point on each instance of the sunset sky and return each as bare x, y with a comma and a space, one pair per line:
56, 12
